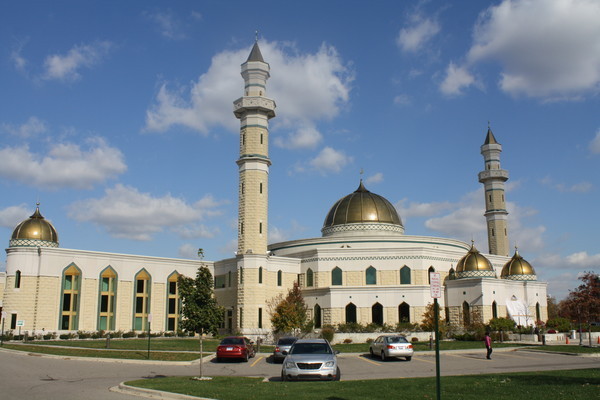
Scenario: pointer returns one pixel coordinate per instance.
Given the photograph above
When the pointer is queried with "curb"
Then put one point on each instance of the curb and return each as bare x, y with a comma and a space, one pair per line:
153, 394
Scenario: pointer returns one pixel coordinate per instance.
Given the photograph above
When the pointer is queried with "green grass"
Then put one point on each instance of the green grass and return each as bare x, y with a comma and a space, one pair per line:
568, 349
569, 384
119, 354
424, 346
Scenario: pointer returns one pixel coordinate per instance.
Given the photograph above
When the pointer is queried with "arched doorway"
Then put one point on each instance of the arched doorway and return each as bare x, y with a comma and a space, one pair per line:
377, 314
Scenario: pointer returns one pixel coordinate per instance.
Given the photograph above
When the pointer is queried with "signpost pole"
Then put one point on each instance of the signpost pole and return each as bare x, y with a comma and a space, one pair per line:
435, 285
2, 334
149, 321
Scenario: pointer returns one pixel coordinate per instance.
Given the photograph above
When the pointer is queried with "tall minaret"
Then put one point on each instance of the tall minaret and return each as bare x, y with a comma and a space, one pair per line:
493, 178
254, 111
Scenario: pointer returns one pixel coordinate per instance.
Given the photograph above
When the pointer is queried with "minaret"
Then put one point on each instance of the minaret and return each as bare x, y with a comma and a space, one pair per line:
254, 111
493, 178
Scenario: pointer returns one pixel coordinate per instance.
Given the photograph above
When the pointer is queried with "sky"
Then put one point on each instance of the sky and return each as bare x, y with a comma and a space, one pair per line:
117, 118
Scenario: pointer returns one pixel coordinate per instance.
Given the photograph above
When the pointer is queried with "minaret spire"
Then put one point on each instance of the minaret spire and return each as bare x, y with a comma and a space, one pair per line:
254, 110
493, 178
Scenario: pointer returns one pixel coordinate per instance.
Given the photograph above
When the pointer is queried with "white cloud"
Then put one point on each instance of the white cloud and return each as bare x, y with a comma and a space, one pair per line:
66, 67
189, 251
11, 216
581, 187
308, 87
402, 100
18, 60
595, 144
127, 213
330, 160
65, 165
31, 127
168, 24
307, 136
414, 209
196, 231
562, 273
416, 36
547, 48
457, 78
376, 178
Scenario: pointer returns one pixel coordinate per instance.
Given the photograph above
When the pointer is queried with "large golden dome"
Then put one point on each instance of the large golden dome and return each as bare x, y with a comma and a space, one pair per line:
474, 265
518, 269
35, 231
364, 211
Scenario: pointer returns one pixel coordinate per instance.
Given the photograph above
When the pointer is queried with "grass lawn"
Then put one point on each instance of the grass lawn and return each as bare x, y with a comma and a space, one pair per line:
424, 346
568, 349
569, 384
120, 354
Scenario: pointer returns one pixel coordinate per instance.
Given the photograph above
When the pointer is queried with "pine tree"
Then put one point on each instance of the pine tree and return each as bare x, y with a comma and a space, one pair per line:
200, 311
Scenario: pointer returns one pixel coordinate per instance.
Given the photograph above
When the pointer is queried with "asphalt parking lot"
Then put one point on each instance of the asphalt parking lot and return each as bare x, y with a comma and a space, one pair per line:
461, 362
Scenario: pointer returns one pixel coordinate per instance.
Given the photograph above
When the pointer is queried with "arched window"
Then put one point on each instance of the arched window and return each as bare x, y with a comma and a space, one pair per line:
371, 276
405, 275
494, 310
17, 279
336, 276
260, 274
350, 313
377, 314
430, 270
141, 303
317, 318
404, 312
538, 314
279, 278
466, 313
309, 277
451, 274
229, 278
107, 299
173, 302
241, 275
71, 284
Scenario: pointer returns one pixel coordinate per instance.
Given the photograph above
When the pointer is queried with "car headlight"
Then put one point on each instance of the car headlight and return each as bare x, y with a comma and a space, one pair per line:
290, 365
329, 364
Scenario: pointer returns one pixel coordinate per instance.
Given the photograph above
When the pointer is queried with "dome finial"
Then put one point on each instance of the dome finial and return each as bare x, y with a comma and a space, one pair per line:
256, 36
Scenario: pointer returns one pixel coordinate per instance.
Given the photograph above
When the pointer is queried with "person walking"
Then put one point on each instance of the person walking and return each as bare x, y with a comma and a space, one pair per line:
488, 345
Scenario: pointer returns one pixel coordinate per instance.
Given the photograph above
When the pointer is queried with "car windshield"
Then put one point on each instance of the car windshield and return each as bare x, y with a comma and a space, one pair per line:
397, 339
286, 341
232, 341
310, 348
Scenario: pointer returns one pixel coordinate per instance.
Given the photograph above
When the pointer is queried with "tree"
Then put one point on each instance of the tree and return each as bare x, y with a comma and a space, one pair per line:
200, 311
582, 305
428, 322
552, 308
290, 313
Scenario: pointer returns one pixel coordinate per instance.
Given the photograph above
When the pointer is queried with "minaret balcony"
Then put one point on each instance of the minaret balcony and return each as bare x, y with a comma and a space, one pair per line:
260, 104
493, 174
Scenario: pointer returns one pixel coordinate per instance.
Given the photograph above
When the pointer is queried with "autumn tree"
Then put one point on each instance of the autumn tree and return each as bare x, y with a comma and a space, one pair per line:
582, 305
290, 313
428, 322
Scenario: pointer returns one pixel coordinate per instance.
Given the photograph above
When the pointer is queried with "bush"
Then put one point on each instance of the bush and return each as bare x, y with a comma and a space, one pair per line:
407, 327
559, 324
505, 324
551, 331
98, 334
67, 336
327, 333
142, 334
347, 340
7, 336
414, 339
370, 340
49, 336
130, 334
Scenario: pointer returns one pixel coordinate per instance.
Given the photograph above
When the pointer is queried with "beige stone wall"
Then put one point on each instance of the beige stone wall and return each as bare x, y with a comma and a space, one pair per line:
124, 307
253, 212
354, 278
88, 306
252, 140
388, 277
158, 306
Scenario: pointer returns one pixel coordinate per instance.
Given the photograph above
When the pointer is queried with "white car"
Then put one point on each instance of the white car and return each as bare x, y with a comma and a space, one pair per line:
310, 359
387, 346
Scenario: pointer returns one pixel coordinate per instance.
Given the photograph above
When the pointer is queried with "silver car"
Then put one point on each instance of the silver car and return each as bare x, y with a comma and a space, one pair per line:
310, 359
283, 344
387, 346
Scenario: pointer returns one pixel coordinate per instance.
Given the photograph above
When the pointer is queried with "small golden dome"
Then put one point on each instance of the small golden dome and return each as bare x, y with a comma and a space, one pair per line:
34, 231
474, 264
517, 268
362, 207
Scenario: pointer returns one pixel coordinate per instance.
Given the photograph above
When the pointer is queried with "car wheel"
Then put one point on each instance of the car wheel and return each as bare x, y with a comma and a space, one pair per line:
246, 357
219, 359
372, 354
383, 357
408, 358
283, 377
338, 374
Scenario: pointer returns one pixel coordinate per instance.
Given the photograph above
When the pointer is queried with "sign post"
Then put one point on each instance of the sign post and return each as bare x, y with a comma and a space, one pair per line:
149, 321
2, 333
435, 283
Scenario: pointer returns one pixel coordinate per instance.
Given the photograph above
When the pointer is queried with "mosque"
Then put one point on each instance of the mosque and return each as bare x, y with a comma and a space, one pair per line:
363, 268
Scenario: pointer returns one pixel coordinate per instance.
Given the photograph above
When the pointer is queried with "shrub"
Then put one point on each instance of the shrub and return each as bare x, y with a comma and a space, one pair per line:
414, 339
506, 324
347, 340
559, 324
370, 340
407, 327
66, 336
130, 334
49, 336
142, 334
551, 331
7, 336
169, 334
84, 335
327, 333
98, 334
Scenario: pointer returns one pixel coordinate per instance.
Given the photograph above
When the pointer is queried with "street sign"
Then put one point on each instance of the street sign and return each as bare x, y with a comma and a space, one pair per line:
435, 285
4, 314
21, 322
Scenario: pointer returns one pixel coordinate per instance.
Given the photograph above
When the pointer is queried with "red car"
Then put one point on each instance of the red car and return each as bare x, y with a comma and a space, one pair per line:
235, 347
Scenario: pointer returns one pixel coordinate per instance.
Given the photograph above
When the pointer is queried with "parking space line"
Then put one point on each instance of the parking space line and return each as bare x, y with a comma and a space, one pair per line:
257, 360
369, 361
421, 359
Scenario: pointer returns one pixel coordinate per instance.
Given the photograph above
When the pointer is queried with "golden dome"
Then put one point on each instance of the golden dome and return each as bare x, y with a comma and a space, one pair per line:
517, 268
362, 207
474, 264
34, 231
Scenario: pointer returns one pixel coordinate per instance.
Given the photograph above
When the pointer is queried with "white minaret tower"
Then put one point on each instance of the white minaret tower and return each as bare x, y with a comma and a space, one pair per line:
254, 111
493, 178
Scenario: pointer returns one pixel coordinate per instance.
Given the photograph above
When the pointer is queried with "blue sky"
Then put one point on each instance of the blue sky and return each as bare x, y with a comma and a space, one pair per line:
117, 117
